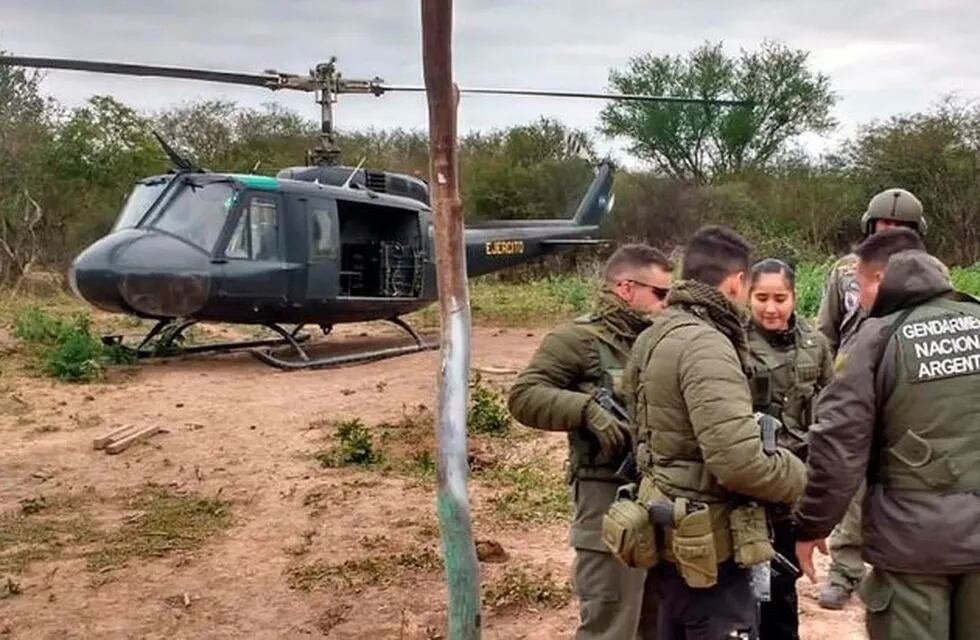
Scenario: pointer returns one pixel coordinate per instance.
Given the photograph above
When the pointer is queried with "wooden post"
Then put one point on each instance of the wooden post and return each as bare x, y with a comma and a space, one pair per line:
452, 500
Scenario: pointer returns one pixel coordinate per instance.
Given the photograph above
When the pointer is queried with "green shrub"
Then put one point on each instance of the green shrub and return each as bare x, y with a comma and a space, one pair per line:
354, 445
487, 413
810, 277
967, 279
66, 347
35, 325
77, 356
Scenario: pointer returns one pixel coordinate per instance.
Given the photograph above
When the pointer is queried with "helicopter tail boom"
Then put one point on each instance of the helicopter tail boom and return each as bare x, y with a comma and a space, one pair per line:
496, 245
599, 198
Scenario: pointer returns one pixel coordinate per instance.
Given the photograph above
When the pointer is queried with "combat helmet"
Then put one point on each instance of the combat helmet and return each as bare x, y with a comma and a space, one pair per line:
894, 204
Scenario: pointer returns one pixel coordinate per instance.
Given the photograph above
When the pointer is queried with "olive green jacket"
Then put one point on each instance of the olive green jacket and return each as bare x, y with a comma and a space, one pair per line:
882, 420
787, 371
697, 435
553, 391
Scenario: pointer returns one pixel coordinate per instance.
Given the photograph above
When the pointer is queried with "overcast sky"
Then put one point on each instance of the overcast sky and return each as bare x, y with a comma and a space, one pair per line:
883, 57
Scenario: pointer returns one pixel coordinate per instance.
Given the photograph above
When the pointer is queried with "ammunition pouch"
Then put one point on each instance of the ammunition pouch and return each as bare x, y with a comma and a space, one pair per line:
750, 535
627, 531
693, 544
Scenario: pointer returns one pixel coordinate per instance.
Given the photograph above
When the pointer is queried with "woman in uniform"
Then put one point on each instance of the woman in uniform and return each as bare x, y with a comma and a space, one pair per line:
790, 363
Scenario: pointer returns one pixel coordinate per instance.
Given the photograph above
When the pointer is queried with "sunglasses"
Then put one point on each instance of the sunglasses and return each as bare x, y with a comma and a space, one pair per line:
660, 292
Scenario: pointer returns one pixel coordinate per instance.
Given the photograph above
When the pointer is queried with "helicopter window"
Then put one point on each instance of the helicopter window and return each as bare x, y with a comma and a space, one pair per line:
322, 237
256, 234
198, 213
238, 244
142, 197
265, 229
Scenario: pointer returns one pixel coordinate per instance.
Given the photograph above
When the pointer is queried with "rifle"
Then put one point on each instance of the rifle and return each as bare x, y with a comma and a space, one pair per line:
768, 425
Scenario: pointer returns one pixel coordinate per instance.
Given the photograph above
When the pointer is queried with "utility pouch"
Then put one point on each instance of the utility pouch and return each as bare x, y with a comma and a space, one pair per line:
627, 531
750, 535
693, 545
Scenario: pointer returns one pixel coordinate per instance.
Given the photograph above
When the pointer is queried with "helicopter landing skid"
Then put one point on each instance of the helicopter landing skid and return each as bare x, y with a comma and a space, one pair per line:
305, 362
169, 333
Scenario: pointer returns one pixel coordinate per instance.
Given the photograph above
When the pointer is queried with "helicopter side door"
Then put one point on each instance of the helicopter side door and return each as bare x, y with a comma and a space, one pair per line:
323, 271
255, 276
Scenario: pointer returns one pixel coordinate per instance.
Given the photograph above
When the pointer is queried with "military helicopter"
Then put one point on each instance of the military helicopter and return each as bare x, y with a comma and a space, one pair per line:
319, 244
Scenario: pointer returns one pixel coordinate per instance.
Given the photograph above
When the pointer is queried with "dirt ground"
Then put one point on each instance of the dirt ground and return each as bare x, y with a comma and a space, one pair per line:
238, 431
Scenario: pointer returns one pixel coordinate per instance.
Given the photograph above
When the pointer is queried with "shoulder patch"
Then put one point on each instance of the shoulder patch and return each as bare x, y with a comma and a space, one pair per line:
946, 346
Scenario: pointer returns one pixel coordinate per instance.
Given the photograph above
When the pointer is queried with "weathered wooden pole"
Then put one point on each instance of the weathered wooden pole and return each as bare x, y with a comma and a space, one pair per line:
452, 501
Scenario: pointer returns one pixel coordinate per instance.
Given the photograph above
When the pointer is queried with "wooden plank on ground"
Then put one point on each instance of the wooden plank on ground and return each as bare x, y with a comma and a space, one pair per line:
115, 434
137, 436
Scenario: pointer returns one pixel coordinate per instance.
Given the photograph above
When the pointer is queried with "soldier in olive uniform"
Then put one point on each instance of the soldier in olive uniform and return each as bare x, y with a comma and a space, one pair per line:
838, 318
903, 412
556, 392
790, 363
699, 450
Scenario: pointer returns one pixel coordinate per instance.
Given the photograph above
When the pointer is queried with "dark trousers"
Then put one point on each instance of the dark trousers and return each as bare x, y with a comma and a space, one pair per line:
726, 611
780, 618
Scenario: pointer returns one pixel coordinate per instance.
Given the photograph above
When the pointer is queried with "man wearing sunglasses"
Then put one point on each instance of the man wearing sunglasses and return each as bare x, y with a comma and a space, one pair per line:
557, 392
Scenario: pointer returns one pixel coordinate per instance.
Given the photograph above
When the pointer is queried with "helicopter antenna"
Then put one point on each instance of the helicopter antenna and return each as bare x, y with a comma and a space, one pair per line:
179, 161
326, 82
360, 164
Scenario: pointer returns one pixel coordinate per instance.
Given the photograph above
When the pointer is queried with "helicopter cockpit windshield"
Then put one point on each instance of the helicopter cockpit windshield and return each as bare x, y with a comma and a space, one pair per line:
197, 212
143, 196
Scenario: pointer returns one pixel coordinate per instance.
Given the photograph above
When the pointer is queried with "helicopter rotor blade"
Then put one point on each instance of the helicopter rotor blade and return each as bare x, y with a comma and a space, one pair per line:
381, 88
268, 80
274, 80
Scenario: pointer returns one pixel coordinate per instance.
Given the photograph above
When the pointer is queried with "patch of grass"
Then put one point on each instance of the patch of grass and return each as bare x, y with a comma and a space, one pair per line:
519, 587
28, 537
527, 493
376, 571
573, 293
422, 467
487, 413
534, 302
541, 301
166, 522
353, 445
409, 443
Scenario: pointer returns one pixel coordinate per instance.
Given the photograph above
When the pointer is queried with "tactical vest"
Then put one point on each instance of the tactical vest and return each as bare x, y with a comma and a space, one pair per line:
929, 432
783, 381
586, 462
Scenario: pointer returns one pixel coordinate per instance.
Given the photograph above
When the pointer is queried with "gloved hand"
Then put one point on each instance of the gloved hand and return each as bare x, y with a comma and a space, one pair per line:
610, 432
